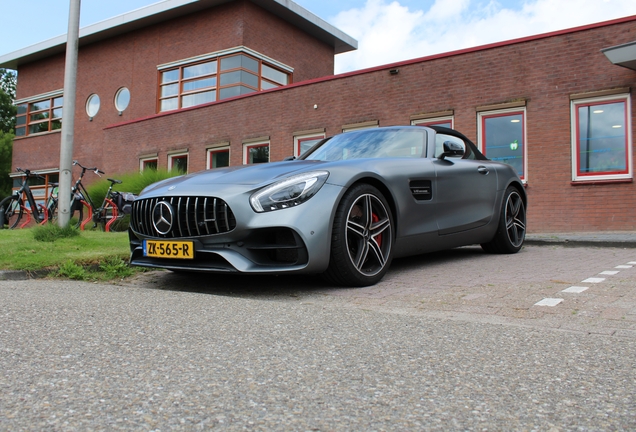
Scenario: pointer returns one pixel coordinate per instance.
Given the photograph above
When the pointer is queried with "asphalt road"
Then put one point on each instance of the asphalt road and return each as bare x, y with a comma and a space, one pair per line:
452, 341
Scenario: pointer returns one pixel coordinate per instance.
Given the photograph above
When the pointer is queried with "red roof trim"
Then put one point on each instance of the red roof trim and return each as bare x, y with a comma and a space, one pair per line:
394, 65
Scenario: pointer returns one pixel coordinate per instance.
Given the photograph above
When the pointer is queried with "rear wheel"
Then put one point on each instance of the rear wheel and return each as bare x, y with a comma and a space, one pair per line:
511, 232
362, 238
13, 211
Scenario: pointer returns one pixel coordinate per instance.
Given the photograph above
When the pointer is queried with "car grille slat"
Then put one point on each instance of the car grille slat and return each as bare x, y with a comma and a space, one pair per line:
192, 216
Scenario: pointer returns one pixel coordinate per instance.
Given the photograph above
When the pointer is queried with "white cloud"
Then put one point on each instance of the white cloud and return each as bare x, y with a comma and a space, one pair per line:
388, 32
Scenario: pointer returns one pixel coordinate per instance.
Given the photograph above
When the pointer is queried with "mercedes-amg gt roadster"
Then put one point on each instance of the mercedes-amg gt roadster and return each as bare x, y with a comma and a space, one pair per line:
343, 209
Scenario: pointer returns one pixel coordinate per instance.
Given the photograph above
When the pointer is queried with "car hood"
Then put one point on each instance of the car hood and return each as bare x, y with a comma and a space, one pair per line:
247, 175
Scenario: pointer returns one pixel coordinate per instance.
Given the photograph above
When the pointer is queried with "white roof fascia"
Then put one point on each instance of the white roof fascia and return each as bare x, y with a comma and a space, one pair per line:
170, 9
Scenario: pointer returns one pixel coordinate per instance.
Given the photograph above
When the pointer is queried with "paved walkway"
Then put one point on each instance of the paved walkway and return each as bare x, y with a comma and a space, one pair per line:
624, 239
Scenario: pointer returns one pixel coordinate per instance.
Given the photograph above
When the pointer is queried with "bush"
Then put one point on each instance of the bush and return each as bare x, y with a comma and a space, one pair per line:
51, 232
131, 182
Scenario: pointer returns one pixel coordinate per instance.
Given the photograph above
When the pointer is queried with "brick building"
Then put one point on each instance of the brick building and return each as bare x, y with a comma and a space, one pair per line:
204, 84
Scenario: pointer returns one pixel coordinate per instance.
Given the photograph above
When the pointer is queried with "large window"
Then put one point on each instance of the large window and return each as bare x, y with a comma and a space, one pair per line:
215, 77
601, 138
39, 116
502, 138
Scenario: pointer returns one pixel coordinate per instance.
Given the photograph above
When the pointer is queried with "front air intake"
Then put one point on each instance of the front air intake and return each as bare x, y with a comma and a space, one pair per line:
180, 217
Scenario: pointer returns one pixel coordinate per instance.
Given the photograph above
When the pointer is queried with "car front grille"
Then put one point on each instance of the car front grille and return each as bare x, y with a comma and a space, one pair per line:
190, 216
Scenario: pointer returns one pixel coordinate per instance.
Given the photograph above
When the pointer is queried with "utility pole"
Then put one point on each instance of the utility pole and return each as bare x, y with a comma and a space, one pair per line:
68, 117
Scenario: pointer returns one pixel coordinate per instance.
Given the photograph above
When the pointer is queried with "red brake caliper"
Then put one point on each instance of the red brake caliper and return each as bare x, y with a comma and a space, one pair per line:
378, 238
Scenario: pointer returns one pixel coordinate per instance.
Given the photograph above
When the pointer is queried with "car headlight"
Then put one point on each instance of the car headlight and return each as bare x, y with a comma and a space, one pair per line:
289, 192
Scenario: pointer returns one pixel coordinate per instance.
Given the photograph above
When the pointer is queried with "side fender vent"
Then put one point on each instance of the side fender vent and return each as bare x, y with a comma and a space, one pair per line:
421, 189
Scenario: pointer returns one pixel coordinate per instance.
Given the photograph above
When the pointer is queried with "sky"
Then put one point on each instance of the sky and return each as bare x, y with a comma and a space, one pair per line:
386, 31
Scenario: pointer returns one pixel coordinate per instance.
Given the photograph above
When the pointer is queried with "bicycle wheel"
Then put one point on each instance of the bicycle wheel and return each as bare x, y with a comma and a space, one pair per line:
77, 214
13, 211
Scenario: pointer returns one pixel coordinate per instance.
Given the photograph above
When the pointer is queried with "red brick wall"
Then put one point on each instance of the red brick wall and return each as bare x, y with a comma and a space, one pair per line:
543, 71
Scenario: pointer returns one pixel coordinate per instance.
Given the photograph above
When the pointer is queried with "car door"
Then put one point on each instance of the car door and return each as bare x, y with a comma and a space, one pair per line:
465, 189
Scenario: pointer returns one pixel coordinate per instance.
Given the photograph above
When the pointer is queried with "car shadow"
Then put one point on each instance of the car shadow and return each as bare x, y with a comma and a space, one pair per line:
283, 285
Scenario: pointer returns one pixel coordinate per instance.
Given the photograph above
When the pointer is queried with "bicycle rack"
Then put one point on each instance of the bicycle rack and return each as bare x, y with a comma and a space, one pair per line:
89, 216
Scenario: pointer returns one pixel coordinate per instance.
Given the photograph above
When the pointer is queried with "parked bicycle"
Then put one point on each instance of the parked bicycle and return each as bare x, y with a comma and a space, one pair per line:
15, 213
111, 215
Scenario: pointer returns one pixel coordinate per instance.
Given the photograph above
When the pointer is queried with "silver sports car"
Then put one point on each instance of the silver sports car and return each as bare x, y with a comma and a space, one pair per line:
344, 209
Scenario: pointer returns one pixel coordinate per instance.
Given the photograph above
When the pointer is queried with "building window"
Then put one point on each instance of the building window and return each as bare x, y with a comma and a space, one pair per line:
219, 157
178, 162
39, 116
148, 163
439, 121
217, 76
601, 136
302, 143
502, 138
360, 126
122, 99
257, 152
92, 105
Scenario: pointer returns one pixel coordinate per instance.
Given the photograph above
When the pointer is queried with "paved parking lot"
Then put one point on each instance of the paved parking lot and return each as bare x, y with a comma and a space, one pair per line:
581, 289
450, 341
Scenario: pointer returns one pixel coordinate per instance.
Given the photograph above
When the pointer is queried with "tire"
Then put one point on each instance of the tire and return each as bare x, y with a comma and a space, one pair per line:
362, 238
77, 214
511, 232
13, 211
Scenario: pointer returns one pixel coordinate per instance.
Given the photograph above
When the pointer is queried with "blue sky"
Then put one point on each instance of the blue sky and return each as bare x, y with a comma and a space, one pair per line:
387, 31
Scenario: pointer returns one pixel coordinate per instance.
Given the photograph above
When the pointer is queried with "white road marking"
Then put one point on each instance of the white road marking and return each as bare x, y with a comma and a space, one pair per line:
593, 280
575, 289
609, 272
623, 266
549, 302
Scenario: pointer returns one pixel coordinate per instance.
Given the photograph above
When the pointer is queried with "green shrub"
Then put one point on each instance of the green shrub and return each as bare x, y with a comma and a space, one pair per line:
131, 182
52, 232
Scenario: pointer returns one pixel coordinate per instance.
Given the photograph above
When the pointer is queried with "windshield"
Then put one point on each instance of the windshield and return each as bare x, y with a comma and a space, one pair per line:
371, 143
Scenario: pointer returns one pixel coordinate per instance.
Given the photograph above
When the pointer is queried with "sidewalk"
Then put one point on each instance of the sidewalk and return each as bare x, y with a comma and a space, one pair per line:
618, 239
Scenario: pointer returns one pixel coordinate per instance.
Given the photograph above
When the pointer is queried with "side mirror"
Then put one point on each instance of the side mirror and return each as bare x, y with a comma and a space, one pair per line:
452, 149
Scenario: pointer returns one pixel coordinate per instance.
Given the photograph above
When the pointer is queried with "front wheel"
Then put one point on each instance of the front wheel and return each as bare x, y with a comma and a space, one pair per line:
511, 232
362, 238
13, 210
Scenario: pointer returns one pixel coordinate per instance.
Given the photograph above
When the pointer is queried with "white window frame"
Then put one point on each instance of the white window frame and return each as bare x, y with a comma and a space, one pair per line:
433, 121
178, 155
503, 112
623, 97
360, 126
248, 145
300, 138
143, 159
215, 149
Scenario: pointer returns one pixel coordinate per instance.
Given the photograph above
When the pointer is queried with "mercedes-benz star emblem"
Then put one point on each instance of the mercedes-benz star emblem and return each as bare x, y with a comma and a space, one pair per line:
162, 217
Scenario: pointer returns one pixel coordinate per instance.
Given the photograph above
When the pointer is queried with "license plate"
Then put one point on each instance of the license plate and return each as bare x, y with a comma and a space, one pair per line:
169, 249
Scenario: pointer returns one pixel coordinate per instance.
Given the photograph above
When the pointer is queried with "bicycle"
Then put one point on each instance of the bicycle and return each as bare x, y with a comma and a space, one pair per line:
13, 208
114, 208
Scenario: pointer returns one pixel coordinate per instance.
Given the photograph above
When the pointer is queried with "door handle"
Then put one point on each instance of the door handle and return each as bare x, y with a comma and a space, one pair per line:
482, 170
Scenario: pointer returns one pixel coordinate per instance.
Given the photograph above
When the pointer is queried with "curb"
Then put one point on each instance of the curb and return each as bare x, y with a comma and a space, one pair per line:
17, 275
581, 242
